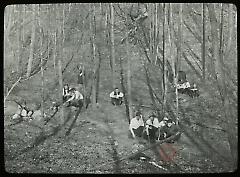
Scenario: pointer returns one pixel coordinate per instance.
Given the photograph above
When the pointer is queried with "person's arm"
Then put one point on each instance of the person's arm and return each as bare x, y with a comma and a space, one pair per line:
81, 96
70, 99
121, 94
131, 130
112, 95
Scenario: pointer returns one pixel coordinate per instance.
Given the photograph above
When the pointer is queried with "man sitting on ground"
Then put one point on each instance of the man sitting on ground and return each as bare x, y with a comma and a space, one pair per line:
76, 98
116, 97
183, 87
136, 125
194, 92
152, 125
66, 92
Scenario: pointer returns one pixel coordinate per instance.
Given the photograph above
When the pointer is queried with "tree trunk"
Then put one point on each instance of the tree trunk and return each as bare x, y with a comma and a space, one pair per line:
31, 55
129, 78
214, 34
18, 44
178, 63
60, 59
230, 30
164, 58
99, 57
179, 49
203, 43
112, 46
124, 90
93, 39
7, 26
55, 52
174, 63
42, 70
60, 80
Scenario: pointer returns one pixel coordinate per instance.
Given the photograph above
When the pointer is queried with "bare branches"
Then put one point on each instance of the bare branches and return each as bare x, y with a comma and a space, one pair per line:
12, 88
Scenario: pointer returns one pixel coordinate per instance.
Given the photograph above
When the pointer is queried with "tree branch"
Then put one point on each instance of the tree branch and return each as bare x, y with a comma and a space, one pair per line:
12, 88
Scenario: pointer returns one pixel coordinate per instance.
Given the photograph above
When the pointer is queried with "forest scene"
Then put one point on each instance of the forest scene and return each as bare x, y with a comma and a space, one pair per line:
79, 78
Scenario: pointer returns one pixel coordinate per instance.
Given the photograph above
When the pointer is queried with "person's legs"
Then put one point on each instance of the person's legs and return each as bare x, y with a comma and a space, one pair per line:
120, 101
138, 132
117, 101
152, 135
113, 101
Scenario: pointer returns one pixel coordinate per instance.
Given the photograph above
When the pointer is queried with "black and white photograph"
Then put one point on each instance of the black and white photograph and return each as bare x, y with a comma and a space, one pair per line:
120, 88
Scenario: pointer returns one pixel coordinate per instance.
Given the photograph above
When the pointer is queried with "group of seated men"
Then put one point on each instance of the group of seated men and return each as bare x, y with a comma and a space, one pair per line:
152, 129
185, 88
72, 97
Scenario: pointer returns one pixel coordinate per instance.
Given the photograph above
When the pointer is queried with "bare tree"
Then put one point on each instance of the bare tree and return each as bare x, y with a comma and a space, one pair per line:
129, 78
93, 43
203, 42
42, 70
31, 55
112, 46
164, 56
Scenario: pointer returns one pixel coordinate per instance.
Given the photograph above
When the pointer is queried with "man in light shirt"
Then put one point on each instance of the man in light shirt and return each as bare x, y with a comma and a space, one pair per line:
152, 125
116, 97
76, 98
136, 125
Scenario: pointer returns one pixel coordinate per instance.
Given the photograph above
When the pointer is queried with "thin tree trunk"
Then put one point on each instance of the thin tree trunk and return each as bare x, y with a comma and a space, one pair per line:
24, 15
31, 55
60, 59
124, 90
42, 70
93, 31
164, 52
179, 50
175, 69
55, 52
60, 80
112, 46
18, 43
7, 26
230, 30
129, 78
156, 33
203, 42
214, 33
178, 63
99, 57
